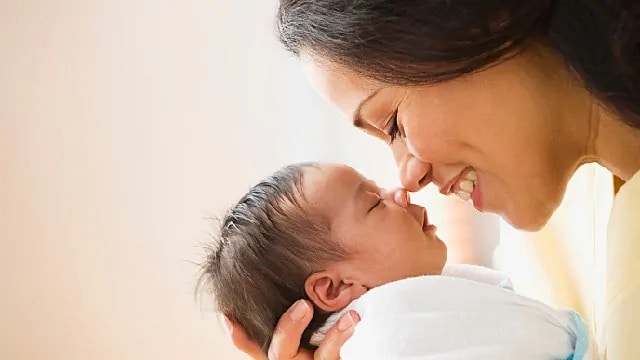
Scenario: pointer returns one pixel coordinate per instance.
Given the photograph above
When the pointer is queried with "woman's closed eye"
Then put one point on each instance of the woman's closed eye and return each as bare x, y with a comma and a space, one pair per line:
391, 127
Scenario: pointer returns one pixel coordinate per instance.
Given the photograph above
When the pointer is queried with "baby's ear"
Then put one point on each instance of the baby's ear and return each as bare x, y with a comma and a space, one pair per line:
330, 292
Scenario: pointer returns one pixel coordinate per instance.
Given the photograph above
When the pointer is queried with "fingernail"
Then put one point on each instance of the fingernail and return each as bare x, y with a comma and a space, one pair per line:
348, 321
299, 310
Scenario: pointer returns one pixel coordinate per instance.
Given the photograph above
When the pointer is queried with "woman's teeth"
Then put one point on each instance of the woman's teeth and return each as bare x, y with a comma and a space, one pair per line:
463, 195
466, 185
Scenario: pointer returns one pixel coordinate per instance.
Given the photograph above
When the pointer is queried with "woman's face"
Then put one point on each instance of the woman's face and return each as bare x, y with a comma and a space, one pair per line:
511, 128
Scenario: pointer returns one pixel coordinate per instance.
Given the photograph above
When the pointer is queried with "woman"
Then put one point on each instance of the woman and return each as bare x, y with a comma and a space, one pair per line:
517, 93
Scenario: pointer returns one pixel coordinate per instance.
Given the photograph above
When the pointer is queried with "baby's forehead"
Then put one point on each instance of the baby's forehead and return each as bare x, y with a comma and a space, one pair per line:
330, 185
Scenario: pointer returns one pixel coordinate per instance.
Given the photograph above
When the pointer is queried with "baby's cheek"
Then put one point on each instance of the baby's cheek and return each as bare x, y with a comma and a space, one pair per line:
399, 265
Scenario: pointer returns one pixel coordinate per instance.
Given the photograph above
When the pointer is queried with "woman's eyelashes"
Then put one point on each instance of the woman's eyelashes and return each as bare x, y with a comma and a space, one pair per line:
391, 127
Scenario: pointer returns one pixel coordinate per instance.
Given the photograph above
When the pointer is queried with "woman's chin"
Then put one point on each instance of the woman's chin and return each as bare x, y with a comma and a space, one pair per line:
530, 222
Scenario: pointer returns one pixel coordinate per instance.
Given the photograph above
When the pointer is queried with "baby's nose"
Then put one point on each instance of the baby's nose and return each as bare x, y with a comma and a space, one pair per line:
399, 196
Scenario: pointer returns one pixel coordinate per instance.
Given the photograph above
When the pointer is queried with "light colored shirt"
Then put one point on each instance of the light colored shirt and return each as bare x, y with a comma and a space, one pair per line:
622, 304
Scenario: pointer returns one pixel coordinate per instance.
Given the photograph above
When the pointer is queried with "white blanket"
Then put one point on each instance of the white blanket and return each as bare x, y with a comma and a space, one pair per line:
445, 317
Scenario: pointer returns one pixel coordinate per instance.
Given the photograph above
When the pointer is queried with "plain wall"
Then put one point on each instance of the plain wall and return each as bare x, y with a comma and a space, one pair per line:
111, 156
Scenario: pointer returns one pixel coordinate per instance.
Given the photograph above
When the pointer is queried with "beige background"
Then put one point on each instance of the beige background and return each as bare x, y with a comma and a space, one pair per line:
107, 144
124, 123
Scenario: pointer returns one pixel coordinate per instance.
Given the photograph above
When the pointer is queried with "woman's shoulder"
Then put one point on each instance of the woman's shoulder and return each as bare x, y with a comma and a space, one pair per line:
629, 190
623, 235
625, 213
623, 273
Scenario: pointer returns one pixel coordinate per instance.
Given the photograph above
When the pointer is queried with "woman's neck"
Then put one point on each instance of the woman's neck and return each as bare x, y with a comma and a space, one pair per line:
613, 143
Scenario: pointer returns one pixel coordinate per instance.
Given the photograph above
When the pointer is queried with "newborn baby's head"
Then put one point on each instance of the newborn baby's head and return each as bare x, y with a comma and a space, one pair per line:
319, 232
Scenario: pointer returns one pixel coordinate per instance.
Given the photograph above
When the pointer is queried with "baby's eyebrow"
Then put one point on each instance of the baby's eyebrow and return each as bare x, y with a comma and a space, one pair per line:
360, 190
360, 199
373, 185
366, 186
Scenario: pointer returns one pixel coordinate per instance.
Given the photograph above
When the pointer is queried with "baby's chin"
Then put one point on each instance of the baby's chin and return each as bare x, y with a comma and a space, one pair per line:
434, 267
434, 271
433, 260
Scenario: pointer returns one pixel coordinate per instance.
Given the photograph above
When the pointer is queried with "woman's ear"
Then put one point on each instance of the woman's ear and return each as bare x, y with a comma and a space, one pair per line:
330, 292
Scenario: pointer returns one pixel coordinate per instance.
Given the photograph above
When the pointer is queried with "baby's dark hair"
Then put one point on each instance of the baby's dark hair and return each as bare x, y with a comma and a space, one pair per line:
267, 246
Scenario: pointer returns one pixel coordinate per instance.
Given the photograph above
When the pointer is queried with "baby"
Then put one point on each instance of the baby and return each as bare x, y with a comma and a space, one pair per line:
321, 232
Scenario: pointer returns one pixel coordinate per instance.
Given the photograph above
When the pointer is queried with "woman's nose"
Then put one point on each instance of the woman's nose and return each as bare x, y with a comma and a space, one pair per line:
414, 173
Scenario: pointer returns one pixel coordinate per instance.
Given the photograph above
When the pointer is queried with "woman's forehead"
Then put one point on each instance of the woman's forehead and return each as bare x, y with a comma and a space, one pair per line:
340, 86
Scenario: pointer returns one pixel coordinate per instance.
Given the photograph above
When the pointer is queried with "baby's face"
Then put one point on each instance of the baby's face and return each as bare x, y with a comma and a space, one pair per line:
385, 241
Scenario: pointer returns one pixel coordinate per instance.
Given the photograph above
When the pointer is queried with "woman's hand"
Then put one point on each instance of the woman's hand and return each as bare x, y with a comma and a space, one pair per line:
285, 344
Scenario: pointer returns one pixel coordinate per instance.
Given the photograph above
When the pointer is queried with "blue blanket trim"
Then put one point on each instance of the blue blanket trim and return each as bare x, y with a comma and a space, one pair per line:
582, 337
506, 284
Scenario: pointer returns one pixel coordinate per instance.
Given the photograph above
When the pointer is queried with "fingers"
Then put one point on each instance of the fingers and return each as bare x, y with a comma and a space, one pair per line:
398, 195
286, 339
336, 337
241, 340
288, 332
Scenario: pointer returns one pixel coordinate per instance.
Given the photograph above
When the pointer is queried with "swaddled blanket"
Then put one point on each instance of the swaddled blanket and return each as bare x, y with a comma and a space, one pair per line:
464, 317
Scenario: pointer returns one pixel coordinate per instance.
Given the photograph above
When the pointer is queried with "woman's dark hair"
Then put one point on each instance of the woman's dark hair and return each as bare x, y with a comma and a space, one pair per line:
414, 42
268, 244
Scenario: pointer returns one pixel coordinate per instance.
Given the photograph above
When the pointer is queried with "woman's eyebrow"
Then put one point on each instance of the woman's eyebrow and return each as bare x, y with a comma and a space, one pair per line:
357, 117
